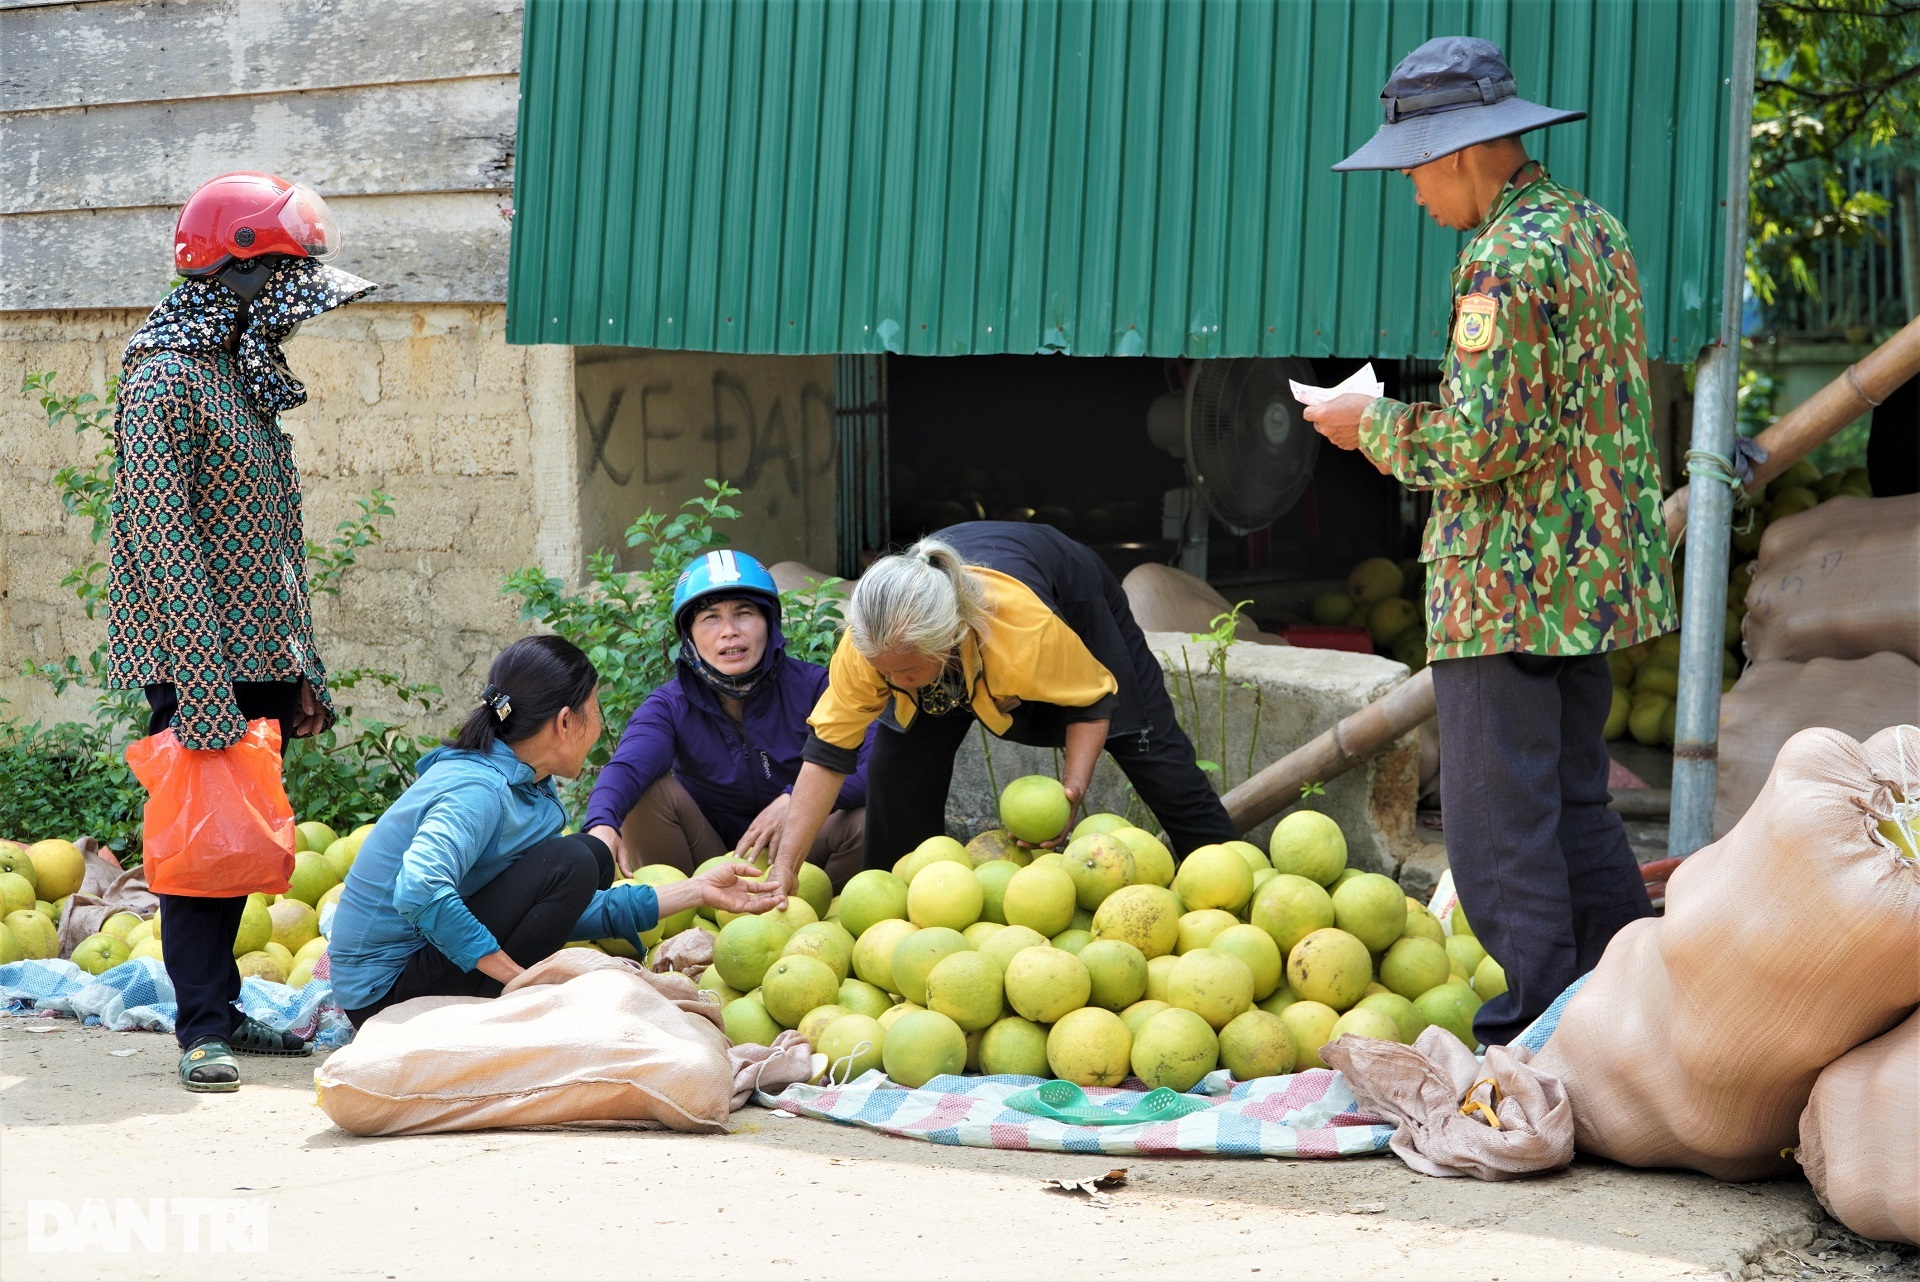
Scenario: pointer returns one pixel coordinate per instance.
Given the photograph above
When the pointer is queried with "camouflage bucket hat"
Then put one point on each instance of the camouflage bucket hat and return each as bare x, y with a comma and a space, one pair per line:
1445, 96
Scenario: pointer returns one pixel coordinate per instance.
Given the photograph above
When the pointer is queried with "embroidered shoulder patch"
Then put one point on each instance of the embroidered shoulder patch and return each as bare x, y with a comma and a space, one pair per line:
1473, 328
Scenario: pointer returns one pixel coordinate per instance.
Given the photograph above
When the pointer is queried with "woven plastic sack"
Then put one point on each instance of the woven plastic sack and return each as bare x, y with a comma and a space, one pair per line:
1860, 1136
1454, 1114
580, 1038
1772, 702
1838, 582
1795, 938
217, 823
1164, 599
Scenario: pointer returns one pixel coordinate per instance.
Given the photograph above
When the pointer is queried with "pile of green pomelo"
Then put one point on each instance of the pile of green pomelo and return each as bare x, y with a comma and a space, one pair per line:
280, 937
1092, 963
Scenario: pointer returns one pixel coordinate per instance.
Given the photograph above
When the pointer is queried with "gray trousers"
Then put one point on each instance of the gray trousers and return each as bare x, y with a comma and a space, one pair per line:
1542, 866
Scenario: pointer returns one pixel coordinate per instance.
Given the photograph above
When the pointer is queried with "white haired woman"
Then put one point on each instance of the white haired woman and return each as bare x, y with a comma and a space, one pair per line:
1018, 627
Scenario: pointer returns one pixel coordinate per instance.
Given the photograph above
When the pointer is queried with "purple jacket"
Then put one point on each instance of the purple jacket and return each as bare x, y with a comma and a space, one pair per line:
682, 727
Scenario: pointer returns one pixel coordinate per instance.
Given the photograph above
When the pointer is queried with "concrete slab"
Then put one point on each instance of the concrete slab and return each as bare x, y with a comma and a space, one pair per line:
790, 1197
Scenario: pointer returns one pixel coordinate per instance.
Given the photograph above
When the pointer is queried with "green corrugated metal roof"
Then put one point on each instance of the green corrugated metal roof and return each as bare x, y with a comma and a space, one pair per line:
1100, 177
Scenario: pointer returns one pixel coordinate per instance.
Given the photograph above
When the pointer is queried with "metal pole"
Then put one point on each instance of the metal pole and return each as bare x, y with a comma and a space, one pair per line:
1709, 526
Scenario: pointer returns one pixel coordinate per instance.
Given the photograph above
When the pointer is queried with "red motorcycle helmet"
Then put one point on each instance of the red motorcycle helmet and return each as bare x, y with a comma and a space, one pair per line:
247, 214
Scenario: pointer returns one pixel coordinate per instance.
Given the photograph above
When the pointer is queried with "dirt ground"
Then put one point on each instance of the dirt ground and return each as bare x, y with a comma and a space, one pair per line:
81, 1118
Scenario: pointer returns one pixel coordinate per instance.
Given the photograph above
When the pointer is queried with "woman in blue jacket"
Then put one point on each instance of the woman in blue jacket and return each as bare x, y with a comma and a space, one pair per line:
467, 879
707, 763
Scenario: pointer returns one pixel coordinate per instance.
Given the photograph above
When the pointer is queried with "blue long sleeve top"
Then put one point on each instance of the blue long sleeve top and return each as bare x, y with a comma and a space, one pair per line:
464, 821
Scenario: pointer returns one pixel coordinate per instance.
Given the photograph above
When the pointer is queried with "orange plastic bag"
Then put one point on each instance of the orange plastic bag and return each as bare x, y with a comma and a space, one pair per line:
218, 824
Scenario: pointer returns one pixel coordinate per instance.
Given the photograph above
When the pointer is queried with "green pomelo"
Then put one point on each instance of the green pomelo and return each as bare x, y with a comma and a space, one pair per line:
974, 1039
923, 1045
1082, 920
1042, 984
1374, 579
1257, 861
1214, 877
1034, 808
1090, 1047
1404, 1014
1371, 908
816, 1021
312, 836
1159, 972
1388, 619
1278, 1000
747, 1022
1099, 864
1617, 715
295, 925
1118, 972
256, 926
11, 950
1330, 967
658, 875
934, 850
993, 878
1422, 924
862, 998
1452, 1006
1256, 1043
1256, 948
873, 952
745, 947
1457, 923
894, 1013
917, 955
16, 895
1291, 907
1465, 952
1140, 1012
1040, 896
1362, 1022
1412, 966
1051, 858
1147, 917
825, 941
1489, 980
311, 877
100, 952
1014, 1045
966, 988
1645, 719
945, 894
1201, 926
711, 982
1174, 1049
1072, 941
1152, 861
853, 1044
1308, 844
1098, 823
981, 931
1212, 985
813, 885
1310, 1025
1004, 944
997, 845
261, 965
872, 896
15, 859
340, 856
792, 986
1330, 609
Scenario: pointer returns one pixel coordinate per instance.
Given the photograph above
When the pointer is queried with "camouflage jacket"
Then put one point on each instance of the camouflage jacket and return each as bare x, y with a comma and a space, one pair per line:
1546, 534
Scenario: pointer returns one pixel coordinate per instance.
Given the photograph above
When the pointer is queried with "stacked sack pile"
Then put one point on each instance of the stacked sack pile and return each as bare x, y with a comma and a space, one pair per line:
1773, 1006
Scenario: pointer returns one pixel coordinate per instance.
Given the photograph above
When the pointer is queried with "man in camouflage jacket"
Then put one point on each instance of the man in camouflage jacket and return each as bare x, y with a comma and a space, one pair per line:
1546, 547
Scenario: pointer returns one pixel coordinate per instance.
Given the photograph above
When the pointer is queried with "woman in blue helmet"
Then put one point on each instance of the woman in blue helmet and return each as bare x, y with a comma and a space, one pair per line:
706, 765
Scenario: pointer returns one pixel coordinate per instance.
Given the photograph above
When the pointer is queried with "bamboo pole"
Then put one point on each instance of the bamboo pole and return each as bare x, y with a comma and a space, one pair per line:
1401, 710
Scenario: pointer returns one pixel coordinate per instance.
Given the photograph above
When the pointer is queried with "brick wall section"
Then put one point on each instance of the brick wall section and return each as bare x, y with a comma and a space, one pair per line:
426, 402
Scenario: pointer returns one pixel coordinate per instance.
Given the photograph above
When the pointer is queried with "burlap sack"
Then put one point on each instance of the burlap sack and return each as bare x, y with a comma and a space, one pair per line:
1795, 938
1841, 581
1164, 599
580, 1038
1772, 702
1422, 1088
1860, 1136
105, 889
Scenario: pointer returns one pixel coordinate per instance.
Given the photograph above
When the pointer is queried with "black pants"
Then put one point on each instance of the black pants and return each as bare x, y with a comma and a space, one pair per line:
1542, 866
531, 908
909, 772
199, 945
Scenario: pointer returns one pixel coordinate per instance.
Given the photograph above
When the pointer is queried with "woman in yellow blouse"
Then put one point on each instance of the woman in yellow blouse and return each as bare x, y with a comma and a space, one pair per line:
1018, 627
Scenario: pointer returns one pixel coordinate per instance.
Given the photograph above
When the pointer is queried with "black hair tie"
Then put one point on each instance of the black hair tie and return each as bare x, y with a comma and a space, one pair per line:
498, 700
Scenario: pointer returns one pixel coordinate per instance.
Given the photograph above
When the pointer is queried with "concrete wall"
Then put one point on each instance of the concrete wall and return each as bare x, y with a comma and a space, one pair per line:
654, 425
473, 439
1298, 693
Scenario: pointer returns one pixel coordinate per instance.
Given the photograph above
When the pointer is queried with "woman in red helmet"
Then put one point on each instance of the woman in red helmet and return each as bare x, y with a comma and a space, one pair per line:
207, 594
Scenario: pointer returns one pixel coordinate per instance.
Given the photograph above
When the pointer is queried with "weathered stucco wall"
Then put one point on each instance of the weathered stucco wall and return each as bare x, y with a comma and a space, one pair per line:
473, 440
653, 425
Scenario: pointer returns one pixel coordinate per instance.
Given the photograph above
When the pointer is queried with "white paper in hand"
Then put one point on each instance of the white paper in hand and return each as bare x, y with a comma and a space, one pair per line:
1361, 380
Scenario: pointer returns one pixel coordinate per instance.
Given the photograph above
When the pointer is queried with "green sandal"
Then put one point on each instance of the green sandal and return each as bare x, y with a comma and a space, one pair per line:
208, 1065
251, 1037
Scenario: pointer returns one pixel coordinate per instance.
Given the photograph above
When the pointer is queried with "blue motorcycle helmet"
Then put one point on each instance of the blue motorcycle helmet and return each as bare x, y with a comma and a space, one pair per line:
726, 575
